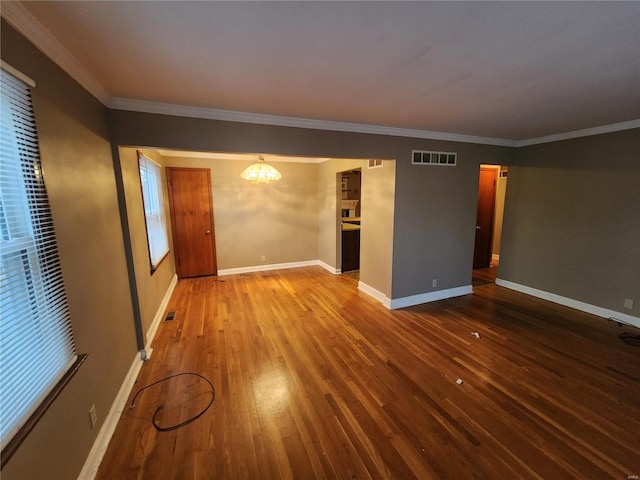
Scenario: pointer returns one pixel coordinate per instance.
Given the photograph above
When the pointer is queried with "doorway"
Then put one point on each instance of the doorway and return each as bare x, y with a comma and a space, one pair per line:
191, 206
491, 197
350, 208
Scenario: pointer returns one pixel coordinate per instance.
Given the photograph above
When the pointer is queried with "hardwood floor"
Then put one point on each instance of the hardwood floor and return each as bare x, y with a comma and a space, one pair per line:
314, 379
484, 276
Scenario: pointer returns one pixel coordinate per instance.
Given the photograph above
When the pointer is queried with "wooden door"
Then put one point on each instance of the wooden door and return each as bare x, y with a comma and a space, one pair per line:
484, 217
191, 207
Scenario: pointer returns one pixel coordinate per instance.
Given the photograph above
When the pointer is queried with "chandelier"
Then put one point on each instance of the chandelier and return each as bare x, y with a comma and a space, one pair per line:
261, 173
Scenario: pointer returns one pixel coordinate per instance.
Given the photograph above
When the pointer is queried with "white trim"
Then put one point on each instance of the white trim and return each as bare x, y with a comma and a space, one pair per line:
119, 103
22, 20
151, 333
378, 295
329, 268
264, 268
614, 127
92, 463
569, 302
17, 73
430, 297
144, 106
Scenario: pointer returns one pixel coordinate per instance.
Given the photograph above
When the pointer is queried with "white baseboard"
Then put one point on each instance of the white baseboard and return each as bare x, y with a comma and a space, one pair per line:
92, 463
569, 302
430, 297
264, 268
146, 354
378, 295
329, 268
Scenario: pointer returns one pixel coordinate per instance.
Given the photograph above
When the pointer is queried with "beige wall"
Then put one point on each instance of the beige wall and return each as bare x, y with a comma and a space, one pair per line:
501, 191
297, 218
378, 205
151, 288
78, 168
376, 232
330, 194
571, 224
277, 220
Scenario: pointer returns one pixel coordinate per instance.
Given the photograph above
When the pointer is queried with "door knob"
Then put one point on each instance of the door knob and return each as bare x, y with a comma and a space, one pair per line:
477, 227
207, 232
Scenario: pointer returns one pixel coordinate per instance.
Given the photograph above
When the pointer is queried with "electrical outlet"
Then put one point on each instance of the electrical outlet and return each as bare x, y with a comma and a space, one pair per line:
434, 282
93, 416
264, 258
628, 303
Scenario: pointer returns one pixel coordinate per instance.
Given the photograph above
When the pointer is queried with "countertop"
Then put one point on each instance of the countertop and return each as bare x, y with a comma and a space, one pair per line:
348, 227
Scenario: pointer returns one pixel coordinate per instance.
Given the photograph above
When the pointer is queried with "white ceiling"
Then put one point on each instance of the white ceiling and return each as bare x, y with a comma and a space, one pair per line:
505, 70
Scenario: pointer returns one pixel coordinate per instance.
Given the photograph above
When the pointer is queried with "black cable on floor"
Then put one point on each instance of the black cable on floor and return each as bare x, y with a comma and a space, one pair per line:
630, 338
182, 424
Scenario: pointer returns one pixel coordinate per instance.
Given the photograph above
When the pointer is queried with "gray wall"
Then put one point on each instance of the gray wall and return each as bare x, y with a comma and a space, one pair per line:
435, 207
572, 220
435, 217
77, 164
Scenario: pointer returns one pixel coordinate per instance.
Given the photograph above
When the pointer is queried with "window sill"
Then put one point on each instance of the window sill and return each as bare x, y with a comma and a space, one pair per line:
11, 447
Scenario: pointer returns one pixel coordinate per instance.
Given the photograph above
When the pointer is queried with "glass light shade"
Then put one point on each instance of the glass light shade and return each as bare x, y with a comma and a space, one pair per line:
261, 173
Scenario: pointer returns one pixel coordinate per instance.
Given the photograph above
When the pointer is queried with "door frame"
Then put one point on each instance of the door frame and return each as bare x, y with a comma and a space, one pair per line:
339, 192
495, 169
173, 219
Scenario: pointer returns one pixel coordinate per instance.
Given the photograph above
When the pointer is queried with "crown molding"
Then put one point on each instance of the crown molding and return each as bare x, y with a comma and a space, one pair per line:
119, 103
144, 106
587, 132
22, 20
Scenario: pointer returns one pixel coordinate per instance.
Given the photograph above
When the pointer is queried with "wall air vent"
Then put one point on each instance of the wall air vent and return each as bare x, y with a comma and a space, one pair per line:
425, 157
375, 162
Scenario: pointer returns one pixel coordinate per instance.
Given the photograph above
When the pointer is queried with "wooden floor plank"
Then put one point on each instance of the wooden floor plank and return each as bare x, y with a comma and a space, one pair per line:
315, 379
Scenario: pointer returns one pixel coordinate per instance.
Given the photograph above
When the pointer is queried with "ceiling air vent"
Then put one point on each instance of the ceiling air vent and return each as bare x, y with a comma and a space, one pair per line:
425, 157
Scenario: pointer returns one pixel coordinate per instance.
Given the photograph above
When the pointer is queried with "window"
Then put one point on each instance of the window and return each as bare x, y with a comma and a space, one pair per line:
37, 354
151, 182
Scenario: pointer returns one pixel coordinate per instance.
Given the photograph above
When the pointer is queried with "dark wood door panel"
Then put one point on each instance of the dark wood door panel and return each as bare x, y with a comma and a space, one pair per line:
191, 206
484, 218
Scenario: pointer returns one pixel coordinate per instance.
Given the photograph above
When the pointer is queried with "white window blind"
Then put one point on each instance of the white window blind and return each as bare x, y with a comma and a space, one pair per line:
151, 181
36, 342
